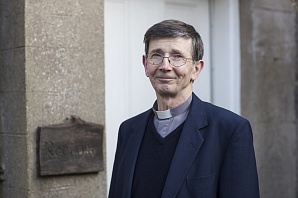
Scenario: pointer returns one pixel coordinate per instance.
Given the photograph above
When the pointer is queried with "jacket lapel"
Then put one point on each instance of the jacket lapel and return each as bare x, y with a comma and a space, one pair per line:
188, 146
133, 148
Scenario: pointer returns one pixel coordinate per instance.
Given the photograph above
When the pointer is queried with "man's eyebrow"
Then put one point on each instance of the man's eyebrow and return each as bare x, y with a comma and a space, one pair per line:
160, 51
175, 51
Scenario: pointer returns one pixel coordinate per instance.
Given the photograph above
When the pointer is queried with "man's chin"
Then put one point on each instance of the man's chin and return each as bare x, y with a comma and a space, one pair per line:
166, 92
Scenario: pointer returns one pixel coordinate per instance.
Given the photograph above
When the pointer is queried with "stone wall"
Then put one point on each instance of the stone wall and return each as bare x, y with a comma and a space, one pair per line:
296, 98
51, 67
268, 68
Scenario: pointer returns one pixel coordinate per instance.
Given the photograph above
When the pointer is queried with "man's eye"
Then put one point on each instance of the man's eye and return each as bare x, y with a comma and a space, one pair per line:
155, 56
178, 56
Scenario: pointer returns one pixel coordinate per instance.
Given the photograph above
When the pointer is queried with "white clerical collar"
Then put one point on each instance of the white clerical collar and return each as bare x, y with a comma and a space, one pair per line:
169, 113
162, 115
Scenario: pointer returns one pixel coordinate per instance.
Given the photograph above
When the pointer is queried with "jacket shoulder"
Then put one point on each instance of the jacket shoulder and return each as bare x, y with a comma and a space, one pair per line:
220, 112
225, 120
136, 119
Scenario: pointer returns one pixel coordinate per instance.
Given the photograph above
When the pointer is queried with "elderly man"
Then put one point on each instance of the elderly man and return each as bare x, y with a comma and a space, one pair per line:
182, 147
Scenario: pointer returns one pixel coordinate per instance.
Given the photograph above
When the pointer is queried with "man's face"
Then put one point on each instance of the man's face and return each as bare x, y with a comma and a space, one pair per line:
169, 81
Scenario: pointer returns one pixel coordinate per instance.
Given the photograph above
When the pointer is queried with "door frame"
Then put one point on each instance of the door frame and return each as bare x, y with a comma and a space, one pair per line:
225, 54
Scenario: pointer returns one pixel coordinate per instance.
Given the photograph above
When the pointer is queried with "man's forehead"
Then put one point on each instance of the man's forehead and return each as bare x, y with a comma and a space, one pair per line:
179, 44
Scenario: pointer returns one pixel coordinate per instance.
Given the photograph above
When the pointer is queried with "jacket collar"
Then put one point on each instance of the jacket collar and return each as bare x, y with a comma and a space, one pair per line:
188, 146
133, 148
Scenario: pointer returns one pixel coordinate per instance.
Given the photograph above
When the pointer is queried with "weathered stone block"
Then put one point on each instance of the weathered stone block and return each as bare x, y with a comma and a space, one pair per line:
12, 111
14, 161
13, 192
12, 17
12, 76
276, 5
57, 69
275, 146
274, 35
51, 31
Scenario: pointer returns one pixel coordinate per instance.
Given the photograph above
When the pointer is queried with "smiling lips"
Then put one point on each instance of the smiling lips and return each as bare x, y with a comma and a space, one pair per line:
164, 78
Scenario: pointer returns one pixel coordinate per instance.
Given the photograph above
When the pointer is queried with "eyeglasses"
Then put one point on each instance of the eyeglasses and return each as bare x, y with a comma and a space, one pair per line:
176, 60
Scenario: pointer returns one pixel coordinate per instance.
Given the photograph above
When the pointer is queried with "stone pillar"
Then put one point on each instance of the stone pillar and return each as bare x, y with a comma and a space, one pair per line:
51, 67
268, 65
296, 99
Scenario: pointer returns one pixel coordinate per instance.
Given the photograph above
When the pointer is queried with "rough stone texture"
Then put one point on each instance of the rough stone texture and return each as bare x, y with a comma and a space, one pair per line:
268, 68
51, 67
12, 24
13, 155
296, 95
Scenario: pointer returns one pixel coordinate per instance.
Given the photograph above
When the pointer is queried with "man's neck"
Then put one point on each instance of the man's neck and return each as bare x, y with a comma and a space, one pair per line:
168, 102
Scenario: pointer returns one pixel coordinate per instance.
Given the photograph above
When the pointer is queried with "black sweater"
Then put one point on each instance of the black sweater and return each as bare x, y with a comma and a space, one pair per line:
153, 163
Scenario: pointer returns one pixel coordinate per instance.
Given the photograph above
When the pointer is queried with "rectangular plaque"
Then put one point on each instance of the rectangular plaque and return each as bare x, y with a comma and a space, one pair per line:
70, 148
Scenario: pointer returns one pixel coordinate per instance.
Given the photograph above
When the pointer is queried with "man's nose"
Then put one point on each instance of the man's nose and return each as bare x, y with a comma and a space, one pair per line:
165, 64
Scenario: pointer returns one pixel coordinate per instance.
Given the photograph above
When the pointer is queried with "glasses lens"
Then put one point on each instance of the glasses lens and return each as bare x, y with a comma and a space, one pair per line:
177, 60
155, 59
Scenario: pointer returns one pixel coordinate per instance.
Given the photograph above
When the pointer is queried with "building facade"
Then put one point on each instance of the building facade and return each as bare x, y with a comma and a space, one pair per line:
55, 61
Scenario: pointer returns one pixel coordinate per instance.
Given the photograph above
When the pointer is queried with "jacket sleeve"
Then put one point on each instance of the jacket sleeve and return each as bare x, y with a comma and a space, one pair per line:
112, 191
238, 174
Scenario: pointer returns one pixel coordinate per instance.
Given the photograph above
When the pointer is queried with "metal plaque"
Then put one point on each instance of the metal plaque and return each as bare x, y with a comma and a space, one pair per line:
70, 148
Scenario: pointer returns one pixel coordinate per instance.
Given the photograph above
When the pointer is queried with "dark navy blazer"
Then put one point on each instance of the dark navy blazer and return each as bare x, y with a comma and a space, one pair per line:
214, 157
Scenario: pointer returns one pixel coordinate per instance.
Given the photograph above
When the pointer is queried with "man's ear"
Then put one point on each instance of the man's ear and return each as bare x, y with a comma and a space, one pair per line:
145, 64
199, 65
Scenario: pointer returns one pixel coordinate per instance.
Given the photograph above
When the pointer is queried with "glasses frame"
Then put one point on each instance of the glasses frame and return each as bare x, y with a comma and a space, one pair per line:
168, 57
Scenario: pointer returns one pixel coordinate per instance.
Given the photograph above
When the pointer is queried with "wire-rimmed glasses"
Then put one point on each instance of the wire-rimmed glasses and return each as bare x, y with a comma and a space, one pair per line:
176, 60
